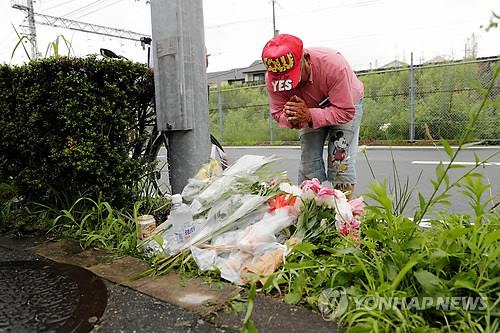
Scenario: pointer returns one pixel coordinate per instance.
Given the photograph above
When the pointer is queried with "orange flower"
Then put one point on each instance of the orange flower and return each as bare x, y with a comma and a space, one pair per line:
280, 201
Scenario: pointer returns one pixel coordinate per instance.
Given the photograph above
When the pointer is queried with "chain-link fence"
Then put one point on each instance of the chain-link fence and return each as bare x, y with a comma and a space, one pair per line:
415, 103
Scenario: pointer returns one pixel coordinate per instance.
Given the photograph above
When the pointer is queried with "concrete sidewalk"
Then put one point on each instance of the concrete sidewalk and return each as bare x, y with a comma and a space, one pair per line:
167, 303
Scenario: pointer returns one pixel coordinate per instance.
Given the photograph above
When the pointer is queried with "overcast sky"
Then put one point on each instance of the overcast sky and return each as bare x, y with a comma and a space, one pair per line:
367, 32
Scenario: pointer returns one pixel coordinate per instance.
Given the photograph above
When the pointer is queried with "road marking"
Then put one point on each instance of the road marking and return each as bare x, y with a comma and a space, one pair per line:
454, 163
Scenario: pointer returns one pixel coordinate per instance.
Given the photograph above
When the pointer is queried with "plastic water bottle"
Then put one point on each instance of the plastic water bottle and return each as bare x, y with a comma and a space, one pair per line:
181, 219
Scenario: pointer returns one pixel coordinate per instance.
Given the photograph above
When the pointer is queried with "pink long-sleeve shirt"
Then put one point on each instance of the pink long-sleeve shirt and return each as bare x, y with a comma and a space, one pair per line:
332, 77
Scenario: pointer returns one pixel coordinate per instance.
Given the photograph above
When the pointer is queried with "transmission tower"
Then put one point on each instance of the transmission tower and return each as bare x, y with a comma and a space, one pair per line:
87, 27
27, 6
53, 21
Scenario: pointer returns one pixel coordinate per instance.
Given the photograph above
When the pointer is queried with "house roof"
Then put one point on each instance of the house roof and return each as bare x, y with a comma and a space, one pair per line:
234, 74
395, 63
435, 60
256, 67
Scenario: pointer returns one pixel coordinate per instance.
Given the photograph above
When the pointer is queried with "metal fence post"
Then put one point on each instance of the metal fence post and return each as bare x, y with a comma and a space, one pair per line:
270, 128
411, 138
221, 112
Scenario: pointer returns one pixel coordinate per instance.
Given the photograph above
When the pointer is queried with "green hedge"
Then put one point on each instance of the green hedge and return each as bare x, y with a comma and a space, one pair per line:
76, 126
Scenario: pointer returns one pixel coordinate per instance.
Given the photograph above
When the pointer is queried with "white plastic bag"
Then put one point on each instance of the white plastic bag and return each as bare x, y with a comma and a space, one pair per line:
204, 258
248, 164
258, 236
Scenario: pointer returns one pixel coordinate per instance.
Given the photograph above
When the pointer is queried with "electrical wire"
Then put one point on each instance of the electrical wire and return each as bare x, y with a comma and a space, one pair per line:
98, 9
364, 3
58, 5
83, 8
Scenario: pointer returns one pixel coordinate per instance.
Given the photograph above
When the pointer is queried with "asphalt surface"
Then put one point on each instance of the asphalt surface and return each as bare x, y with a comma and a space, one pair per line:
409, 163
128, 310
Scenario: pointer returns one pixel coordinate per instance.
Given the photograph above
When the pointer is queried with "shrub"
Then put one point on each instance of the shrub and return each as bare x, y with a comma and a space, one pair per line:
76, 126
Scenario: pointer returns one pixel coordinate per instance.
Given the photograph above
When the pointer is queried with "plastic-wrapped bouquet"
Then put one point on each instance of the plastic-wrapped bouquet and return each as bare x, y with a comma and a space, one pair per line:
243, 218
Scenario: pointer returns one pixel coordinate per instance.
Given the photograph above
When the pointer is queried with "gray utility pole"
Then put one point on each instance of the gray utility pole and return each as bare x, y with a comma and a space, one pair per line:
181, 85
27, 5
275, 32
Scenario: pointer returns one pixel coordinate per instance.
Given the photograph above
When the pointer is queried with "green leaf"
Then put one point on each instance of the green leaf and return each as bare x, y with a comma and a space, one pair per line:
464, 284
297, 289
447, 148
440, 171
248, 324
249, 327
301, 264
305, 247
457, 166
422, 201
402, 273
374, 234
429, 282
492, 238
477, 159
476, 85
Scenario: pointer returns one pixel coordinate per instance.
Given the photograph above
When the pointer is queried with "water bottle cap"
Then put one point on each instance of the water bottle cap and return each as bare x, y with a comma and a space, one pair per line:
176, 198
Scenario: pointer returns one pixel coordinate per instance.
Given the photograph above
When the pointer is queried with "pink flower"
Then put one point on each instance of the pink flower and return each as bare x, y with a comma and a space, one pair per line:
325, 191
354, 224
325, 196
357, 206
343, 229
339, 195
313, 184
355, 235
348, 228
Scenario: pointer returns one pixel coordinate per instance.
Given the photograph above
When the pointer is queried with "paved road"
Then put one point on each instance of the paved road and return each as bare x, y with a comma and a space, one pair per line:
409, 163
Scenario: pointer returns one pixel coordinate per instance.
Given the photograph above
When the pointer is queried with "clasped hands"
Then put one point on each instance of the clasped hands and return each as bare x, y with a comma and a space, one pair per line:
297, 112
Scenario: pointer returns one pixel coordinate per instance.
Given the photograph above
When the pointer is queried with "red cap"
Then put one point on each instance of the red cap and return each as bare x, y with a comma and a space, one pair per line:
281, 57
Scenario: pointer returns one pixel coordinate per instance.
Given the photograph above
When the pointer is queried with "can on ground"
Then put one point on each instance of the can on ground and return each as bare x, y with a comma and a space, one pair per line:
147, 226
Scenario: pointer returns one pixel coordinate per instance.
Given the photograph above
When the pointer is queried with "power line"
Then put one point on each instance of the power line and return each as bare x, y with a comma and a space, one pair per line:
58, 5
83, 8
362, 4
98, 9
423, 27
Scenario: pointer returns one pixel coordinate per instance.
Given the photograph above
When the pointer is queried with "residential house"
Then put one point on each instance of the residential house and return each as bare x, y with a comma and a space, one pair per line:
253, 74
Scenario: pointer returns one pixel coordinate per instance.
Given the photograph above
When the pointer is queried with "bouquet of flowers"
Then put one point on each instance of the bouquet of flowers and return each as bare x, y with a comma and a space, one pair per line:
246, 215
321, 208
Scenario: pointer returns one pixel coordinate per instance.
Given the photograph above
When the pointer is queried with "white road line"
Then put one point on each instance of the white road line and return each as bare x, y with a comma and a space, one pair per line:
454, 163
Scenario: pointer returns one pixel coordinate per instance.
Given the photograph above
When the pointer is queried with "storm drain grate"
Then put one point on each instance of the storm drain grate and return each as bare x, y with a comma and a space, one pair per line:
38, 296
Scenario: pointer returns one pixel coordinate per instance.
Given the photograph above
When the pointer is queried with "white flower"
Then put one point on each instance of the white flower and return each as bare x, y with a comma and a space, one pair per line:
362, 149
308, 195
290, 189
344, 210
384, 127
